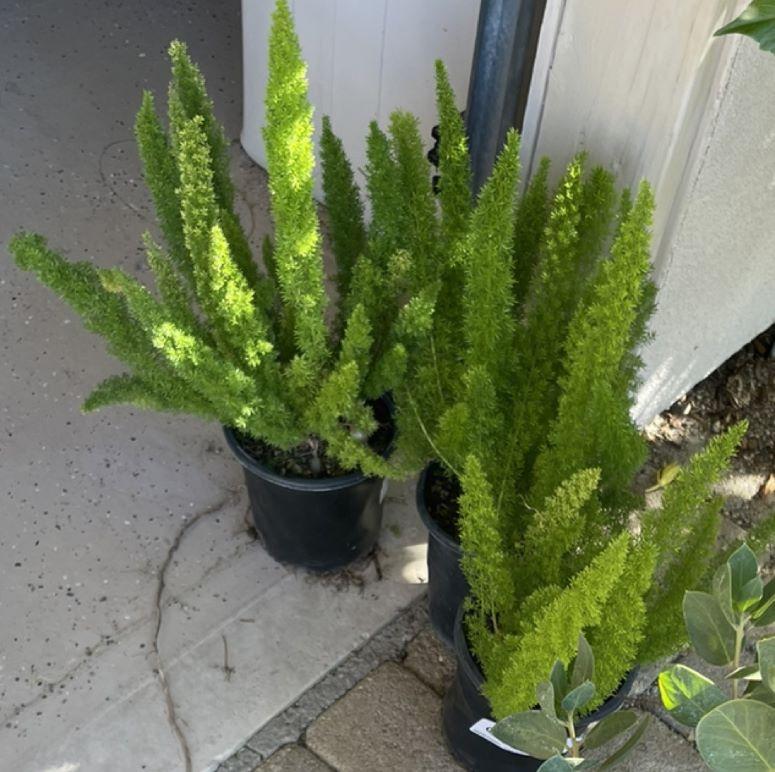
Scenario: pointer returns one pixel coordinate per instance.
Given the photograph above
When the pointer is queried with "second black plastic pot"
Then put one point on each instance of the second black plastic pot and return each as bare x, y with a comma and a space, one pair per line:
464, 705
317, 524
447, 586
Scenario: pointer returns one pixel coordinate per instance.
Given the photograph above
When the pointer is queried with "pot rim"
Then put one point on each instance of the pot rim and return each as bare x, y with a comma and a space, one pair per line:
433, 527
309, 484
467, 663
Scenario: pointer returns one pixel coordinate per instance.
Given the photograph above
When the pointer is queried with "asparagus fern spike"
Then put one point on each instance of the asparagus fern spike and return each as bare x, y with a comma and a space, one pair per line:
161, 175
593, 425
488, 298
290, 162
386, 231
554, 631
345, 209
454, 165
187, 99
531, 221
418, 206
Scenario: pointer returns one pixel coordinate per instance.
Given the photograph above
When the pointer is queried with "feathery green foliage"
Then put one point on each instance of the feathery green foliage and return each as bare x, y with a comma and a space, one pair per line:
344, 205
523, 602
684, 533
219, 338
593, 426
290, 161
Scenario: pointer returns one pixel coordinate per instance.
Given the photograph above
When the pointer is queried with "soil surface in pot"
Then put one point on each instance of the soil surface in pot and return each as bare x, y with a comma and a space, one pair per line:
442, 492
309, 459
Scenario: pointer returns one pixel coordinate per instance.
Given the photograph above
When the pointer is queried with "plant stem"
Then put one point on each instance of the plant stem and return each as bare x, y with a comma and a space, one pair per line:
739, 636
574, 745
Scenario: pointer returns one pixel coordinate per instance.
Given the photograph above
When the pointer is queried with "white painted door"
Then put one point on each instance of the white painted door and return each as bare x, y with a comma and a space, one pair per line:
366, 58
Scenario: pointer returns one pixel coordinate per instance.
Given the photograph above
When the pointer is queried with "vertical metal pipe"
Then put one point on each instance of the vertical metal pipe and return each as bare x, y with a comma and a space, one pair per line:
506, 42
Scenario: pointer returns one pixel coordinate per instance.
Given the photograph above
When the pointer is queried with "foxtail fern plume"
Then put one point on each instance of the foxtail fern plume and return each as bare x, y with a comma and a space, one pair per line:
593, 426
217, 337
344, 205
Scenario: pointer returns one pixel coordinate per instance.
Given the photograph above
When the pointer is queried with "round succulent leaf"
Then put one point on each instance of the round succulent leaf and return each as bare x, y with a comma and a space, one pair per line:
738, 735
743, 567
757, 21
711, 634
583, 665
545, 697
532, 732
759, 692
688, 695
559, 680
765, 649
750, 594
722, 592
606, 729
577, 698
747, 673
764, 614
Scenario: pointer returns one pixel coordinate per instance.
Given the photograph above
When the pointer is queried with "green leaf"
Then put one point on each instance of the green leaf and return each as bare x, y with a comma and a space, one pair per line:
738, 735
555, 764
764, 614
628, 746
611, 726
722, 591
746, 583
687, 695
747, 672
545, 697
559, 679
583, 665
709, 631
532, 732
760, 693
577, 698
765, 648
757, 21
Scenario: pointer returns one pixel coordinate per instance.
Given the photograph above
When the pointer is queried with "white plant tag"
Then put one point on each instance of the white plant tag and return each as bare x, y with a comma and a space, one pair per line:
383, 491
483, 726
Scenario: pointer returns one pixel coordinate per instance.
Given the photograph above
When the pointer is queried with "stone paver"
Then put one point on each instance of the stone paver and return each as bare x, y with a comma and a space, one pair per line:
430, 661
662, 750
293, 758
390, 721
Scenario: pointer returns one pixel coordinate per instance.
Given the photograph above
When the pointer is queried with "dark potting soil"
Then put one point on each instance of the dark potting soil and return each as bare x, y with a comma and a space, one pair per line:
299, 460
442, 491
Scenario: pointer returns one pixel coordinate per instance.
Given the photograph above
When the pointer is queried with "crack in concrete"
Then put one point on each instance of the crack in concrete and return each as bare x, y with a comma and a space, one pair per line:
161, 585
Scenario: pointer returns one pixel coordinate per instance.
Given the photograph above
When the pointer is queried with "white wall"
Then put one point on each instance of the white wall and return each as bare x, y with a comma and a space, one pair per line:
646, 89
366, 58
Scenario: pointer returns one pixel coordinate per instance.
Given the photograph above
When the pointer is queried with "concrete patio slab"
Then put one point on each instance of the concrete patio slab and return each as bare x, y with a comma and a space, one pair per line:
95, 506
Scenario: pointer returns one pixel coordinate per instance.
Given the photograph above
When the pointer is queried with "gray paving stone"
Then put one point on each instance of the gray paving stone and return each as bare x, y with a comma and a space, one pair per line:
244, 760
662, 750
390, 721
293, 758
430, 661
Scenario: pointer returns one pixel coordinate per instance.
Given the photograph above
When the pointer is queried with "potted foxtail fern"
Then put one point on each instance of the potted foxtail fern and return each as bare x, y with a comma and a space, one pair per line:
525, 267
299, 382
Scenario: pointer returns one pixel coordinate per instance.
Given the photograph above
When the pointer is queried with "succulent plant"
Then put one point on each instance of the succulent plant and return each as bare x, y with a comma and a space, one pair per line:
739, 733
550, 731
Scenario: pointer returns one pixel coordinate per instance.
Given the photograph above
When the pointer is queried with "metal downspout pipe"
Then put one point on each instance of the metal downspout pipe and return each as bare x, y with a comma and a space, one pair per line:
506, 43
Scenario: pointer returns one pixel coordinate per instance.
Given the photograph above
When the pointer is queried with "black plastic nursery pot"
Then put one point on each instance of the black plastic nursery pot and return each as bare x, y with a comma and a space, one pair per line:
447, 585
464, 705
318, 524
